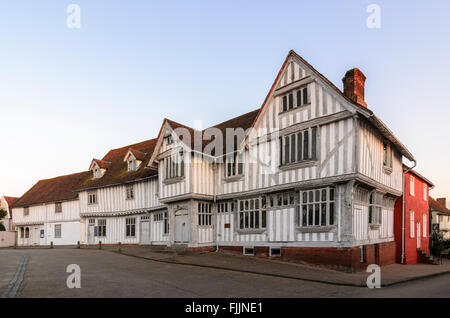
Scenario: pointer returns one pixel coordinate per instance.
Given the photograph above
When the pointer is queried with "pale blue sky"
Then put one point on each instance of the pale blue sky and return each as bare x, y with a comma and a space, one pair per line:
68, 95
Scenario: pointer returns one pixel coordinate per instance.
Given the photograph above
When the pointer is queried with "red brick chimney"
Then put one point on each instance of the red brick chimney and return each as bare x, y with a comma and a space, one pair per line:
442, 201
354, 86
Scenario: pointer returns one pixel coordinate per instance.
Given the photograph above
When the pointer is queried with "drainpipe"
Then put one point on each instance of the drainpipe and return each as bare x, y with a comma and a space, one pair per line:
403, 209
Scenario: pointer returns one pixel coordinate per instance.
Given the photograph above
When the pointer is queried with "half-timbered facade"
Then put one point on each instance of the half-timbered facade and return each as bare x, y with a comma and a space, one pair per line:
314, 168
119, 202
49, 212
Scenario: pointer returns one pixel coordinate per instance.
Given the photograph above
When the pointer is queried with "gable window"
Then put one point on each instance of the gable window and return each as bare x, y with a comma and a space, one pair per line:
58, 207
425, 192
316, 207
301, 98
26, 211
298, 147
92, 197
375, 204
204, 214
411, 224
174, 165
234, 164
57, 230
129, 191
101, 227
252, 214
130, 227
169, 140
411, 185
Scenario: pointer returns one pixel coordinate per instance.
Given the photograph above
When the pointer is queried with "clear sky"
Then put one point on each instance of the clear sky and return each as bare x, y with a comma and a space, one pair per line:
68, 95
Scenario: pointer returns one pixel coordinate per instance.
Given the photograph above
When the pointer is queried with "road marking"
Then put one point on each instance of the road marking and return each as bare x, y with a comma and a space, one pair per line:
15, 282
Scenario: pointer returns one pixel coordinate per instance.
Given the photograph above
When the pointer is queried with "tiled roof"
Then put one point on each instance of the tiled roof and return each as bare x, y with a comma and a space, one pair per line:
103, 164
55, 189
436, 206
117, 172
244, 121
10, 200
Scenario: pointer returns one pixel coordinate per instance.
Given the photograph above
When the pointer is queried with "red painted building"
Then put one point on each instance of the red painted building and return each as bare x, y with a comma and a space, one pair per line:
416, 218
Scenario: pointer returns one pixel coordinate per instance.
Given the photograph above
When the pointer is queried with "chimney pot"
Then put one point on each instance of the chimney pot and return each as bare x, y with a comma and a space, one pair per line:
354, 81
442, 201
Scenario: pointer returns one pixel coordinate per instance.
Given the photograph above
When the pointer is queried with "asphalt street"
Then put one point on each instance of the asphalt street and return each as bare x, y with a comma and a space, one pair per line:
105, 274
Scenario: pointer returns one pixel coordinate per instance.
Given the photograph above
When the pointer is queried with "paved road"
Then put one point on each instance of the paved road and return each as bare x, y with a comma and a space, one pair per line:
105, 274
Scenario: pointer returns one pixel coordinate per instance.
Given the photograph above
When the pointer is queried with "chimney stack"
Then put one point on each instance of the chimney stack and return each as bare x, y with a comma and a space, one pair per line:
354, 86
442, 201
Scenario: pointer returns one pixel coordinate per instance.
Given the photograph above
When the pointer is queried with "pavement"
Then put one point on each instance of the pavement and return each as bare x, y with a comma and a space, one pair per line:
390, 275
107, 273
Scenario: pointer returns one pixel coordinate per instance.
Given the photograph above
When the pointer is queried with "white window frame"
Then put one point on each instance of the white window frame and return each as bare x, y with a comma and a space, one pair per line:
132, 164
129, 191
26, 211
130, 227
314, 205
424, 224
101, 228
425, 192
92, 197
204, 214
57, 231
412, 224
295, 99
411, 185
174, 166
252, 214
387, 155
375, 208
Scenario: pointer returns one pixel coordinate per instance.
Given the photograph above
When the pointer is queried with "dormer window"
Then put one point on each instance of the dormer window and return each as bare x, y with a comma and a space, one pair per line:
97, 173
132, 164
99, 167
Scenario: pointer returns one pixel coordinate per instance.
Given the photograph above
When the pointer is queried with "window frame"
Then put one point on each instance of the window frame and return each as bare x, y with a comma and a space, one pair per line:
412, 224
174, 168
375, 209
234, 165
129, 191
425, 192
412, 186
302, 146
295, 98
425, 225
204, 212
92, 197
101, 227
58, 207
252, 214
311, 208
130, 227
57, 231
26, 211
166, 223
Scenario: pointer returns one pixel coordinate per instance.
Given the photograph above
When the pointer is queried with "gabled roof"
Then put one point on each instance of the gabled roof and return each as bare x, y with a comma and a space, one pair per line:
117, 172
53, 190
249, 120
10, 200
139, 155
102, 164
437, 207
418, 175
